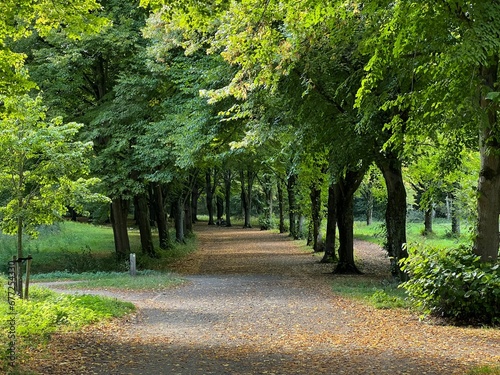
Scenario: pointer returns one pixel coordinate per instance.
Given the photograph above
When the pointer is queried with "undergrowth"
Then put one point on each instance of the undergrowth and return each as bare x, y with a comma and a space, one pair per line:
47, 312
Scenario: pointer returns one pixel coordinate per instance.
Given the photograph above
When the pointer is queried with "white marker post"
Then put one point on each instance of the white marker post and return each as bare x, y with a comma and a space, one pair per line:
133, 269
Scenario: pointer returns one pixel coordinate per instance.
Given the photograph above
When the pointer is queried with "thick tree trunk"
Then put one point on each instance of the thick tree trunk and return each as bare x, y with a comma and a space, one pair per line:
246, 196
292, 206
345, 221
119, 214
315, 195
428, 221
228, 179
488, 202
455, 217
188, 214
179, 220
142, 217
267, 186
220, 207
210, 197
331, 225
160, 216
395, 214
195, 194
281, 204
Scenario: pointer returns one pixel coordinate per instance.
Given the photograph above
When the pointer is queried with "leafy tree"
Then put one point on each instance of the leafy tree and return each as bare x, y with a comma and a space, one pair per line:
450, 54
42, 167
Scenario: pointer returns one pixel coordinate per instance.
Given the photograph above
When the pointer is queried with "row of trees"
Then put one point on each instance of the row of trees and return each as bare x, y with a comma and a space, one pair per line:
305, 97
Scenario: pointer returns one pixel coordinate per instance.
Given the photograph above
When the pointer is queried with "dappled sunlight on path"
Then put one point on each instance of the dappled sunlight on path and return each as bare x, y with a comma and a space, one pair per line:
256, 303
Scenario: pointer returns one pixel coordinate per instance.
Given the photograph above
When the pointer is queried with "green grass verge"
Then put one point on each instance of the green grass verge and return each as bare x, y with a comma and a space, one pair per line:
47, 312
77, 247
381, 294
441, 237
484, 370
144, 280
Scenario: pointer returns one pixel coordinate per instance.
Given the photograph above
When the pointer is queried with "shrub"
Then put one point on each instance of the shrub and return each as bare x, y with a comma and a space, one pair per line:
454, 283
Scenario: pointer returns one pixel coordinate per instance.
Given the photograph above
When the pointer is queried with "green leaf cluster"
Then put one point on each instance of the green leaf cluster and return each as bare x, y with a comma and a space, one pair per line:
42, 166
453, 283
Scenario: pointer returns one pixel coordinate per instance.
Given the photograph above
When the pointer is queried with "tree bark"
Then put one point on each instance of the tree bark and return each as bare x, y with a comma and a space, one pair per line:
119, 214
195, 194
292, 206
428, 221
455, 217
220, 207
488, 202
228, 179
160, 216
315, 195
179, 220
395, 214
348, 185
281, 206
330, 255
209, 189
188, 214
142, 217
246, 195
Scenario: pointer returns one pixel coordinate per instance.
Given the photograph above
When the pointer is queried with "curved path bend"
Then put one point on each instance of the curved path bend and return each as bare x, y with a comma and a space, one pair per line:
256, 303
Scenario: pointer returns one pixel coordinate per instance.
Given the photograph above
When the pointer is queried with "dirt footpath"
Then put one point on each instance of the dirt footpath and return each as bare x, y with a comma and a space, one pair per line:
257, 304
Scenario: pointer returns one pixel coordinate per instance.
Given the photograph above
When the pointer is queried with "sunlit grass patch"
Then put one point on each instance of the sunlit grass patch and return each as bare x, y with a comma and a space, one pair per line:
381, 294
144, 280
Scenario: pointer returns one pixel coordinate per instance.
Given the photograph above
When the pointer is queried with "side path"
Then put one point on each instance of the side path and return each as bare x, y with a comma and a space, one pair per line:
256, 304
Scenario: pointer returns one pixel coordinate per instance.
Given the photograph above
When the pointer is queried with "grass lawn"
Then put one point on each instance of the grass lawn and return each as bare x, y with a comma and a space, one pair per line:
441, 237
78, 247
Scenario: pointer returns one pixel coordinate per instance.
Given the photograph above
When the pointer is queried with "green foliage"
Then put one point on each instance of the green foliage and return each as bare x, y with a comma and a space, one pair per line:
41, 167
266, 222
19, 18
47, 312
453, 283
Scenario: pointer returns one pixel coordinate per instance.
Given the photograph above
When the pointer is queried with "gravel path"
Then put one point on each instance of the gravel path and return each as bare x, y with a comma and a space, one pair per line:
257, 304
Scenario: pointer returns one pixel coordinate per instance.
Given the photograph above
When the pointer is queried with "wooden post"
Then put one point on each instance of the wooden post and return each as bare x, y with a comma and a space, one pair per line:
28, 268
133, 270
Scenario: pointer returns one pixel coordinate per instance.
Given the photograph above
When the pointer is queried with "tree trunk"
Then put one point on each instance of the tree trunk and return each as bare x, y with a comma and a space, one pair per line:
315, 195
428, 221
345, 221
220, 207
179, 220
195, 194
395, 214
228, 179
188, 214
210, 197
292, 206
455, 217
246, 196
281, 207
331, 225
160, 216
267, 186
142, 217
119, 215
488, 202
